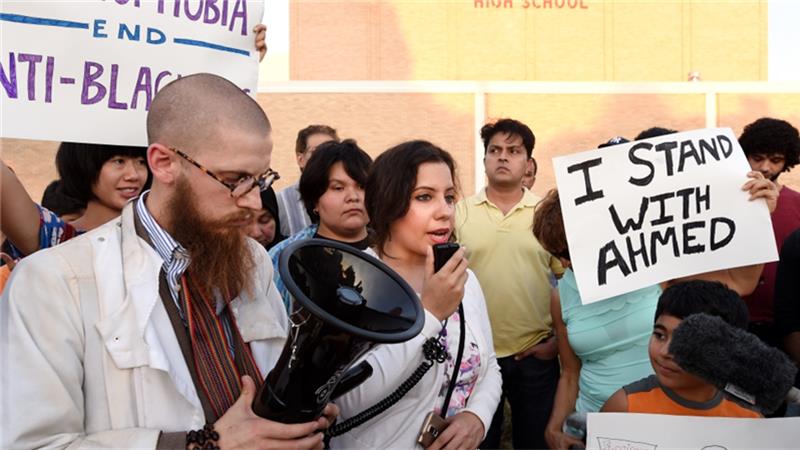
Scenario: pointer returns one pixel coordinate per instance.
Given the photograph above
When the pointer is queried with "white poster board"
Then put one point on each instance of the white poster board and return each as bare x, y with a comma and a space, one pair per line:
612, 431
648, 211
87, 70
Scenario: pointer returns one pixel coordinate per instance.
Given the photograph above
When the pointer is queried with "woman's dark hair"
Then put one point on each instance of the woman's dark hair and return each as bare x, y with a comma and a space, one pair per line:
314, 180
767, 135
55, 200
391, 182
548, 225
699, 296
269, 201
79, 166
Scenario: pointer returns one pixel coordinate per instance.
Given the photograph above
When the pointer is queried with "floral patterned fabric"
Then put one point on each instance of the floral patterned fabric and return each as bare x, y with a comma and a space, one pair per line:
468, 372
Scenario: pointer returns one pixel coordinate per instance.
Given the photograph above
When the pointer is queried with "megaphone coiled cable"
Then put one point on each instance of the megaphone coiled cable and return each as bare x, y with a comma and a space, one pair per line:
433, 351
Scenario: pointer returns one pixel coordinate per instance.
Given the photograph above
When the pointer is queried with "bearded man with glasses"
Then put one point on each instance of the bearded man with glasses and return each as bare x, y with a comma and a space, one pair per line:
154, 330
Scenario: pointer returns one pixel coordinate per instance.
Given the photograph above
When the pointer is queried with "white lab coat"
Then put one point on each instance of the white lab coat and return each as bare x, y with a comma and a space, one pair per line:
89, 357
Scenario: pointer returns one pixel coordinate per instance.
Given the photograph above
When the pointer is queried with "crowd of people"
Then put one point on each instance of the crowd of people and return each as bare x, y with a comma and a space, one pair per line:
144, 309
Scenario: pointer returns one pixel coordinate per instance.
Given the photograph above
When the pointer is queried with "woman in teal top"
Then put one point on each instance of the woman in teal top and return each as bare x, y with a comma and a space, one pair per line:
609, 338
603, 345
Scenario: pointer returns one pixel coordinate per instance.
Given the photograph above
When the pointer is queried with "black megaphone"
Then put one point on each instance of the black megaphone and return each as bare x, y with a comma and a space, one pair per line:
345, 302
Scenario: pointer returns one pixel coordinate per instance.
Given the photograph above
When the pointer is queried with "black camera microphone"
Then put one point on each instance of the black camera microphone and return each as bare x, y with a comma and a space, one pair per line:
734, 361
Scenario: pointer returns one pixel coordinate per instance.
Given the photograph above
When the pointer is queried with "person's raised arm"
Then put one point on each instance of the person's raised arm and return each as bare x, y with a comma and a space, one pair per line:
19, 216
743, 279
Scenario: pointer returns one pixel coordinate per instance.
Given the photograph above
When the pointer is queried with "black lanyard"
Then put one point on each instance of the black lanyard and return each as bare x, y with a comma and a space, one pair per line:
457, 367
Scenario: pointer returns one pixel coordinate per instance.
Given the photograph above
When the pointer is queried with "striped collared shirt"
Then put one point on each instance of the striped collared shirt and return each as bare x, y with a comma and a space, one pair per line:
176, 260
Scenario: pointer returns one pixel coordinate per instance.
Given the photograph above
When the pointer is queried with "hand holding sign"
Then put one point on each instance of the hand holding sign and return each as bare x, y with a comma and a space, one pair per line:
648, 211
760, 187
261, 40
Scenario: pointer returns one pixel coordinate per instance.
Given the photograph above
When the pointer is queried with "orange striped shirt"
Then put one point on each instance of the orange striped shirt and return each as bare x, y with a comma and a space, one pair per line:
648, 396
5, 273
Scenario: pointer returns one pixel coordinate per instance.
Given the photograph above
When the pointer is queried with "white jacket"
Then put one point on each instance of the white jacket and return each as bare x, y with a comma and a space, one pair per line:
399, 426
89, 357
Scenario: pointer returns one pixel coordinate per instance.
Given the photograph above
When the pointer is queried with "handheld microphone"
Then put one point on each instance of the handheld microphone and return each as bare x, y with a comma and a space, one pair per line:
734, 361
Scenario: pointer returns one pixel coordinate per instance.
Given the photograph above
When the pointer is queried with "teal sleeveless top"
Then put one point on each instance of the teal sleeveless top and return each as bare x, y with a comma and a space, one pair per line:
610, 337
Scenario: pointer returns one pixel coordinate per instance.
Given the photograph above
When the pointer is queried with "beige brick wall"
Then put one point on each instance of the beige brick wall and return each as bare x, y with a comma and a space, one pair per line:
376, 121
606, 40
563, 123
32, 161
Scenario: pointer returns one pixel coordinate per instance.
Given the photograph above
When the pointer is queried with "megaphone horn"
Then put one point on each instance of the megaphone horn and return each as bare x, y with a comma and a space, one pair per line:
345, 302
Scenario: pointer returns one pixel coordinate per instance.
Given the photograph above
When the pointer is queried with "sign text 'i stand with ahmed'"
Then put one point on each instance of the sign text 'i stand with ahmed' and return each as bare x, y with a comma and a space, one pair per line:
644, 212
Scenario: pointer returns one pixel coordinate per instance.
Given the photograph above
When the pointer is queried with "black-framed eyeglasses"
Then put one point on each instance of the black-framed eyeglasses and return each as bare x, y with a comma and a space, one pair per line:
241, 187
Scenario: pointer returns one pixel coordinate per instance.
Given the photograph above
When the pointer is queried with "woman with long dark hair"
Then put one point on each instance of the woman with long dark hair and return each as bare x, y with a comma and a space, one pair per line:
410, 195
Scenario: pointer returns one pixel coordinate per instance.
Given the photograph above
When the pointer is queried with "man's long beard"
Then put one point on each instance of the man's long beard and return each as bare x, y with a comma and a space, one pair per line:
221, 259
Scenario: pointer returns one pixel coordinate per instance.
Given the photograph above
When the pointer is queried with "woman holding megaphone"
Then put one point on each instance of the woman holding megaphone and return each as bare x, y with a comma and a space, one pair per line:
410, 197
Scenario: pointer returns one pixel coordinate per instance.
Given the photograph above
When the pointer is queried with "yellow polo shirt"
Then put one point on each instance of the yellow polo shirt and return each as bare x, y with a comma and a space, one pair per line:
512, 267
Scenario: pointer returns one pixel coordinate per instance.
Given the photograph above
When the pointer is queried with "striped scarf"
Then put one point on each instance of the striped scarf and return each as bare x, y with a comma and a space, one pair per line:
219, 373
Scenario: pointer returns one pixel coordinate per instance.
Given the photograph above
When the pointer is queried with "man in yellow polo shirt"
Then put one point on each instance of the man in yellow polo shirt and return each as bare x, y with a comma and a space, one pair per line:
514, 272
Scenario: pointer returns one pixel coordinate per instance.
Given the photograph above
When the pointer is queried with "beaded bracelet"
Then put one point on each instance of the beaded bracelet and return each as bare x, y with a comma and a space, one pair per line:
203, 439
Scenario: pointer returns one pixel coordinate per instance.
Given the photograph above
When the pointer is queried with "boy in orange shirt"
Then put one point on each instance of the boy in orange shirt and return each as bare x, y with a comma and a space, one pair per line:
672, 390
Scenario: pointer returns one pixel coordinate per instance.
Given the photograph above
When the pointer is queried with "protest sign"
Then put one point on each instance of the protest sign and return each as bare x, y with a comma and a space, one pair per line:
87, 71
648, 211
613, 431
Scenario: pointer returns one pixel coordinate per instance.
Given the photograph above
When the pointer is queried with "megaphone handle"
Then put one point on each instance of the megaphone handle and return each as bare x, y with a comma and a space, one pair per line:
352, 378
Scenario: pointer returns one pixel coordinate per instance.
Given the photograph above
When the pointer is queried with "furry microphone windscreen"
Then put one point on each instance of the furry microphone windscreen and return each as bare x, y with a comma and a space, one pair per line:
733, 360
